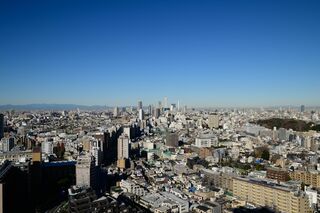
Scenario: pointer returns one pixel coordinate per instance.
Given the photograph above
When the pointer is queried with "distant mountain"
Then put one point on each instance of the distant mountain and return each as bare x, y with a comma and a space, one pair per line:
51, 107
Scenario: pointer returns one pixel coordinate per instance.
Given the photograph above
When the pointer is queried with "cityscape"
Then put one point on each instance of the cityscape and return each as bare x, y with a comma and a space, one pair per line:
159, 106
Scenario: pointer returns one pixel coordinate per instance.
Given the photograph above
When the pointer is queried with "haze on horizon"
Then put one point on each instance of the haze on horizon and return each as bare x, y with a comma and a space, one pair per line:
203, 53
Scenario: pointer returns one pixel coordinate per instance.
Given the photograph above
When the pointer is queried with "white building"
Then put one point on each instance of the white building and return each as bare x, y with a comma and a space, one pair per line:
47, 147
141, 114
131, 187
206, 140
161, 200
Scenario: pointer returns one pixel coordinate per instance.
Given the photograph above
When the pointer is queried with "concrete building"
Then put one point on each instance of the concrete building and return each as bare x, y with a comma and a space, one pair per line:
139, 105
156, 201
172, 139
123, 147
219, 179
213, 121
84, 199
279, 198
278, 174
131, 187
206, 140
208, 207
141, 114
116, 112
86, 173
47, 147
157, 112
308, 177
6, 144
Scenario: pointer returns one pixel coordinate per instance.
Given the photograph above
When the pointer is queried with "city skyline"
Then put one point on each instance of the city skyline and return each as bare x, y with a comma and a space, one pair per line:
208, 54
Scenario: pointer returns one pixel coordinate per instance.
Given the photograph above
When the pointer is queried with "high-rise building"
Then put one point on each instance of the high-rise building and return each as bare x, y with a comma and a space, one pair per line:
127, 131
85, 171
1, 126
172, 139
150, 110
213, 121
165, 102
116, 112
123, 147
141, 114
157, 112
139, 105
302, 109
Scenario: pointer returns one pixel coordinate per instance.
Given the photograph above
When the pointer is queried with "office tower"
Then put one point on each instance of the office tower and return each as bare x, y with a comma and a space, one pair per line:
85, 171
178, 106
213, 121
116, 112
302, 109
1, 126
172, 139
160, 104
139, 105
150, 110
127, 131
141, 114
185, 109
157, 113
96, 152
123, 147
165, 102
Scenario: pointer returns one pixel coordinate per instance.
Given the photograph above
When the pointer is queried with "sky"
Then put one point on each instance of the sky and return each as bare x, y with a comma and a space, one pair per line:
202, 53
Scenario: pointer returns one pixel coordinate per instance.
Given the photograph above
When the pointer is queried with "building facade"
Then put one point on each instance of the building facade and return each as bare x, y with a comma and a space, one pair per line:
279, 198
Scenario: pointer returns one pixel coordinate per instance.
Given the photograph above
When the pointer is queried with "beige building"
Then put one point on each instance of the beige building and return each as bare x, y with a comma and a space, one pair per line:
219, 179
123, 147
213, 121
307, 177
279, 198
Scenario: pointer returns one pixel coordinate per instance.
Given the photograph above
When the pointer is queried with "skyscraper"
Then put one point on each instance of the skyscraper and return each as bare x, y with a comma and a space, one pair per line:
302, 109
116, 112
150, 110
141, 114
123, 147
165, 102
157, 113
85, 171
1, 126
139, 105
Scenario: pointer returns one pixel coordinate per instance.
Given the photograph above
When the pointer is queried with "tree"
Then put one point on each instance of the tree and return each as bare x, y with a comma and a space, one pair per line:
265, 154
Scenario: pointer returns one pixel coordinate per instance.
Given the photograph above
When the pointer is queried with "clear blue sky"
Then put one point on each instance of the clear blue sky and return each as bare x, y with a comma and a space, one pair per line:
203, 53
